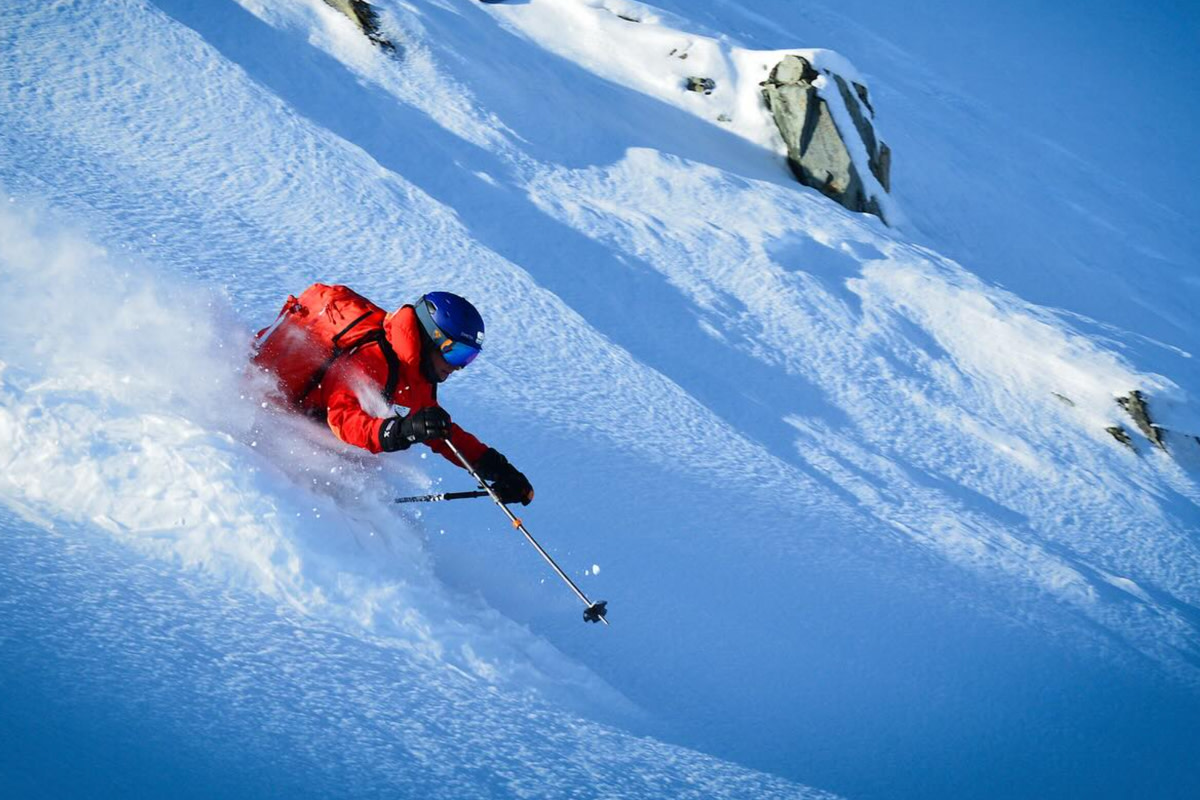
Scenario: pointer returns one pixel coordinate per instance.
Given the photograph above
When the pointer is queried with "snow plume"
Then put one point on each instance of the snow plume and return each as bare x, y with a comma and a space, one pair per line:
123, 403
125, 406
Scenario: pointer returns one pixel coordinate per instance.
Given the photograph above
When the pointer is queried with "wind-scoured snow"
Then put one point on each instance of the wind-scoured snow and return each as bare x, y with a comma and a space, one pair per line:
854, 503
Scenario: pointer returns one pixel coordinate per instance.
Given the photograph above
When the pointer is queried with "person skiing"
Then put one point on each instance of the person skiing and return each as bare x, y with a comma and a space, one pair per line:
339, 358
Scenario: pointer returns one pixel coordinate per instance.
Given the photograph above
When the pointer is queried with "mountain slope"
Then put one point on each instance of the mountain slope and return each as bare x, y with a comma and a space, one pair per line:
822, 467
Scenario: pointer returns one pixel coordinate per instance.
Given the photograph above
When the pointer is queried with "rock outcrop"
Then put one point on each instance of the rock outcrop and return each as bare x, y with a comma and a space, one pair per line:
821, 154
1122, 436
365, 17
1134, 404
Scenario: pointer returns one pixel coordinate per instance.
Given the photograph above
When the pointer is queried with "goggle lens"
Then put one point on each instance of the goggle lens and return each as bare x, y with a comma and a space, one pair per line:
458, 354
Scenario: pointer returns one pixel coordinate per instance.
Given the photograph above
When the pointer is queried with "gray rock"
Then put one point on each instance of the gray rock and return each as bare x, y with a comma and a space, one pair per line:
1122, 436
1135, 405
705, 85
863, 96
365, 17
884, 175
817, 151
793, 69
861, 124
879, 155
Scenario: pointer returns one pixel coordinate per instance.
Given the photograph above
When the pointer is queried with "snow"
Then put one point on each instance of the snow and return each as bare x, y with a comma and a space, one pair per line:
633, 45
862, 527
160, 459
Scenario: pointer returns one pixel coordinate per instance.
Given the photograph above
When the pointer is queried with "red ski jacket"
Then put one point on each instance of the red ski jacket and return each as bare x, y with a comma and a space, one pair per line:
350, 397
339, 393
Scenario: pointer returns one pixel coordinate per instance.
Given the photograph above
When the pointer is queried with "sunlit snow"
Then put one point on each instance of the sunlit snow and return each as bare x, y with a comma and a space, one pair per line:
862, 527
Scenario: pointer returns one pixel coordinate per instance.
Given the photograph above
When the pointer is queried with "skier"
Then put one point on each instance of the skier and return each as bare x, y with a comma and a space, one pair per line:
340, 358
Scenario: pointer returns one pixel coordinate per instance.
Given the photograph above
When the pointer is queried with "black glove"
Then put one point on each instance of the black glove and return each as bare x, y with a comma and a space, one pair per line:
398, 433
507, 482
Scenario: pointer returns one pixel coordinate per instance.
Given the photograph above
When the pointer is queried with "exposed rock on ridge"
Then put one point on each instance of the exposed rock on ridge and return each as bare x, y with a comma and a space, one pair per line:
820, 154
1122, 436
1135, 405
365, 17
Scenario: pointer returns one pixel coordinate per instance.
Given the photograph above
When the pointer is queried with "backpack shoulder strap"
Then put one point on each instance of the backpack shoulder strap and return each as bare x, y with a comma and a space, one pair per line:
393, 364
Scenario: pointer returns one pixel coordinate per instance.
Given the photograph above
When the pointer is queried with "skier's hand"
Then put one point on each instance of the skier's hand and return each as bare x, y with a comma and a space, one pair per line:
398, 433
509, 484
513, 488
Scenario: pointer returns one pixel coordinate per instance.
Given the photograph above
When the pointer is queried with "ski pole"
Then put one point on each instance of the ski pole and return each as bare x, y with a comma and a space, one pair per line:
595, 612
437, 498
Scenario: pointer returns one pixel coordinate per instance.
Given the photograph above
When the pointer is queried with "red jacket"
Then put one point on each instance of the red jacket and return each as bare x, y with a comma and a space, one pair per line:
359, 378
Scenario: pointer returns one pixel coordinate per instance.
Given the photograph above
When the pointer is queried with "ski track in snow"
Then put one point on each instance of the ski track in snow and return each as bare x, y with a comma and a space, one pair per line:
882, 389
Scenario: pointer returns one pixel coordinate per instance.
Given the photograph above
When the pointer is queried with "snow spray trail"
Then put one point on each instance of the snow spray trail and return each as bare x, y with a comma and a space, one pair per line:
124, 404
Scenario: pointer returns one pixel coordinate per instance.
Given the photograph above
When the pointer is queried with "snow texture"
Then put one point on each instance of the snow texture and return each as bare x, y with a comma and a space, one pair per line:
861, 525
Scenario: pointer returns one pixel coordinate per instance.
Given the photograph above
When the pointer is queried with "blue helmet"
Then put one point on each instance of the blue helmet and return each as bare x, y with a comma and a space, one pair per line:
453, 325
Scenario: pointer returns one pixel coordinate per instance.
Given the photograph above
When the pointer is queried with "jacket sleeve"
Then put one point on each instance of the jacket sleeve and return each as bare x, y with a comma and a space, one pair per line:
349, 422
468, 445
353, 425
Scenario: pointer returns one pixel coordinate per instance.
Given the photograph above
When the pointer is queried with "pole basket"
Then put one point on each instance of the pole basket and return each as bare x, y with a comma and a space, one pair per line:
596, 612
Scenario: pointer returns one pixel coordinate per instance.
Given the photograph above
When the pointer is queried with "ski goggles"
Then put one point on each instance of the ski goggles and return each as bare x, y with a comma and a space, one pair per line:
457, 354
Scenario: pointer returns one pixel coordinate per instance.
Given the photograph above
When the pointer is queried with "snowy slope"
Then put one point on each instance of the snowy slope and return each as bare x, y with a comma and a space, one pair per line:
824, 468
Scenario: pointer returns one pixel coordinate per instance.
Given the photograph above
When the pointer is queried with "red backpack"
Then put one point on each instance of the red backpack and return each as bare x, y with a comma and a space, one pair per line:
314, 330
